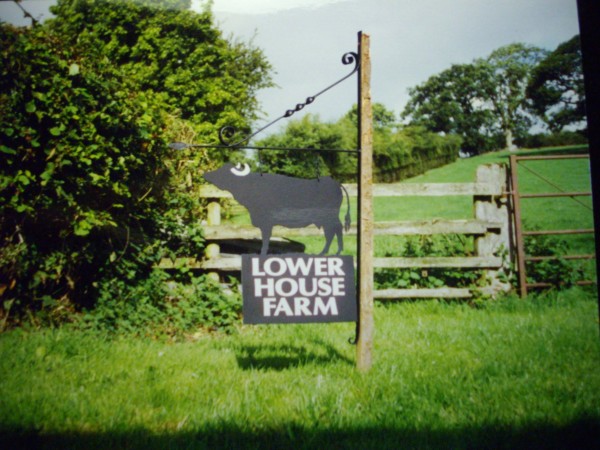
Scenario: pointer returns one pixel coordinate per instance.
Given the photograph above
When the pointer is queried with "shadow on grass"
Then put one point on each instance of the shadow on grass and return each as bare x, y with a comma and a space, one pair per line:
285, 356
580, 434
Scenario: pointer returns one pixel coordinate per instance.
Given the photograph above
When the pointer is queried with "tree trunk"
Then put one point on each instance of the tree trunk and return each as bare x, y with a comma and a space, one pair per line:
508, 140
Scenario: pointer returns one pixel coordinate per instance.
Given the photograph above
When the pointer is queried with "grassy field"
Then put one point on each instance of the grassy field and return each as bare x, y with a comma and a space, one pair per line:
509, 373
550, 213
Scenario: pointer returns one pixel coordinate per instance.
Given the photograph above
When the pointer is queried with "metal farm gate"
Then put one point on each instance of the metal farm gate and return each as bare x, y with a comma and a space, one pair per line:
520, 234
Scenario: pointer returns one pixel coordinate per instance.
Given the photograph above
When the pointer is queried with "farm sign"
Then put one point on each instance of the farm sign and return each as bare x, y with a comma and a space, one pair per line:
293, 288
298, 288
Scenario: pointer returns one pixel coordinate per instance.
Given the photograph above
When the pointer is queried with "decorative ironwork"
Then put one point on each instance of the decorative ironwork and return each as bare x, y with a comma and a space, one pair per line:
227, 140
228, 133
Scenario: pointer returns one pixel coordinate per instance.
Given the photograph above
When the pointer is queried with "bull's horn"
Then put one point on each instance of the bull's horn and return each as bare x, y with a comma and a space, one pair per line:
239, 171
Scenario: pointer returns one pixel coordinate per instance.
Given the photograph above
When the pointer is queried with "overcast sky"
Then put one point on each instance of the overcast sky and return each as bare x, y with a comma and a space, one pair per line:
411, 40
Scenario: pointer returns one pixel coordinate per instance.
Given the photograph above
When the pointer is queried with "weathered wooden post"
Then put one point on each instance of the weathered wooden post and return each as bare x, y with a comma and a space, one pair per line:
213, 250
364, 345
493, 208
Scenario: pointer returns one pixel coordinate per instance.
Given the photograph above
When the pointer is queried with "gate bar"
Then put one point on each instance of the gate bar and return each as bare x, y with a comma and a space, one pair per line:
557, 194
546, 232
516, 203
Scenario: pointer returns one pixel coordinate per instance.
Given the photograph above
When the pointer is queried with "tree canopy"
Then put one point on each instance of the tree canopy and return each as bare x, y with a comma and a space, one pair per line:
480, 101
556, 90
175, 53
90, 194
398, 152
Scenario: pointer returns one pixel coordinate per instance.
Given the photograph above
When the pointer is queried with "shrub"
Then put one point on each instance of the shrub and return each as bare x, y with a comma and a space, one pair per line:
559, 272
397, 154
163, 305
81, 184
553, 140
437, 245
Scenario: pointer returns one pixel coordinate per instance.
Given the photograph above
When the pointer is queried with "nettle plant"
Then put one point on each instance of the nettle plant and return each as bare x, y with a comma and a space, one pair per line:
558, 271
440, 245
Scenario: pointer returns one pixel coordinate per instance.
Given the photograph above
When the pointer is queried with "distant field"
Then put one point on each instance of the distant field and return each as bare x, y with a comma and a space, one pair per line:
551, 213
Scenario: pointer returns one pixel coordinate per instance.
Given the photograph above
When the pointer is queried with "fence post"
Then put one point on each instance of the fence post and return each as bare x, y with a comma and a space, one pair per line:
364, 344
494, 209
213, 250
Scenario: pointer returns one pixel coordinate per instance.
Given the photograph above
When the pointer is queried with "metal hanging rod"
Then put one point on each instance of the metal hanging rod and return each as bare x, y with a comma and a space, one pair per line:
227, 132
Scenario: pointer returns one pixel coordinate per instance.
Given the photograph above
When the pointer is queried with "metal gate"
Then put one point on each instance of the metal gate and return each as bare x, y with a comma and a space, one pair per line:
520, 234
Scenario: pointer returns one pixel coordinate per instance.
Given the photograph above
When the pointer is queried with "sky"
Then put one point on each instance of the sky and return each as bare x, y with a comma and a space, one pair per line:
410, 40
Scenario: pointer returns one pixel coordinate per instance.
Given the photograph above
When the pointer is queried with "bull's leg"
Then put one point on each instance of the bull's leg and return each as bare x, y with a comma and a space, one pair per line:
330, 232
340, 239
266, 232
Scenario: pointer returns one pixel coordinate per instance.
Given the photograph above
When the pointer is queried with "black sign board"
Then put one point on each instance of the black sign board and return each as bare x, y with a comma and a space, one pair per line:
298, 288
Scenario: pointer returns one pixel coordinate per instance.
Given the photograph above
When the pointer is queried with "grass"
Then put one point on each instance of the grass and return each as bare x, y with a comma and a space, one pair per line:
549, 213
509, 373
505, 374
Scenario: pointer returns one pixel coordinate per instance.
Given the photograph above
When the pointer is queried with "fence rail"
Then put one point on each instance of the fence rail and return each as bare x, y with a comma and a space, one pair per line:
490, 227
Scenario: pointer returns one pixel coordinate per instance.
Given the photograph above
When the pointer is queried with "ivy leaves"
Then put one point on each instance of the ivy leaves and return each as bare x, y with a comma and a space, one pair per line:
79, 149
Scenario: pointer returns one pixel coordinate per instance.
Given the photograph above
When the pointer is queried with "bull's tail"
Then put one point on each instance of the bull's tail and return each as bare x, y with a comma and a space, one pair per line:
347, 220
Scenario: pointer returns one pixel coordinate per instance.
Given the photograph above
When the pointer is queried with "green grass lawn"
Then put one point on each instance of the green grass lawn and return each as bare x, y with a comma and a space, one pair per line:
507, 374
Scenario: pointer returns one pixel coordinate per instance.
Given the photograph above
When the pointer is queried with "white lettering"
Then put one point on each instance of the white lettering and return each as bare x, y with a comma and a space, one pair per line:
338, 286
283, 306
320, 267
268, 268
302, 287
331, 305
335, 266
292, 287
267, 283
256, 268
301, 305
324, 286
299, 265
268, 305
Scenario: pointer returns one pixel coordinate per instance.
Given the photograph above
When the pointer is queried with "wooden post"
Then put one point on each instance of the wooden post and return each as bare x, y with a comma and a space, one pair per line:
364, 345
493, 209
213, 250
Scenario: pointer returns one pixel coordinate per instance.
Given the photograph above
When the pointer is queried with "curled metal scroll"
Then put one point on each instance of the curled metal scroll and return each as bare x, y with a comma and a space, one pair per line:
227, 132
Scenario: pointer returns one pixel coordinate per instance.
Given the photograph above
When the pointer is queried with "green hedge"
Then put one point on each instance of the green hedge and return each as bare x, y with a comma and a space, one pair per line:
398, 153
411, 152
404, 154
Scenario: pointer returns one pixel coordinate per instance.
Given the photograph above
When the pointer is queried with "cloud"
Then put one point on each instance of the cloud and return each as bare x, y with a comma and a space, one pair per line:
410, 41
265, 6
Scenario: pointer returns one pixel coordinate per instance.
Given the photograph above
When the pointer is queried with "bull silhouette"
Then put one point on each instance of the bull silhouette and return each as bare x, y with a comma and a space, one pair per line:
273, 199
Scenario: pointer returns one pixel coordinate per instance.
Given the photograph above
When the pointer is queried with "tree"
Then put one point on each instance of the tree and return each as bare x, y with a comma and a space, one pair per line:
452, 103
90, 195
506, 75
175, 53
478, 100
308, 132
556, 90
397, 152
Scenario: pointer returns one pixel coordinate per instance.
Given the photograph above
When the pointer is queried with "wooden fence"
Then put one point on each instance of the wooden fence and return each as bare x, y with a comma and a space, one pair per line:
490, 228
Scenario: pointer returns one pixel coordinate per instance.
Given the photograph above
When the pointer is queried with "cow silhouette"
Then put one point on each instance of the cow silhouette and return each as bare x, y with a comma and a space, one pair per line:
273, 199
